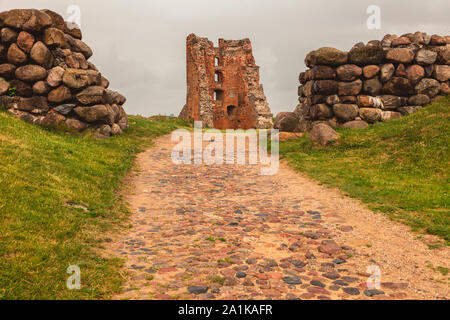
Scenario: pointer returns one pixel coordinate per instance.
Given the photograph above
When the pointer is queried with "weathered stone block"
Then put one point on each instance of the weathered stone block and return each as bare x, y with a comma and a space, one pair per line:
346, 112
366, 55
327, 56
348, 72
350, 88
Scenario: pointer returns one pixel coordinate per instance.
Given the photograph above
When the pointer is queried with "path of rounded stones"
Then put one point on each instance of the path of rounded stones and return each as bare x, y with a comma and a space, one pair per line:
226, 232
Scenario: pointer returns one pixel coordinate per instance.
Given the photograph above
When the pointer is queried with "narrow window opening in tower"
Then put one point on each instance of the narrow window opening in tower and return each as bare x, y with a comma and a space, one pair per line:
218, 77
218, 95
231, 111
216, 63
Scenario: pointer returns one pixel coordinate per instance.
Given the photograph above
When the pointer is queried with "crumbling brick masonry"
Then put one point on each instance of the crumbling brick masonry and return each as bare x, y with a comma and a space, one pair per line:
223, 87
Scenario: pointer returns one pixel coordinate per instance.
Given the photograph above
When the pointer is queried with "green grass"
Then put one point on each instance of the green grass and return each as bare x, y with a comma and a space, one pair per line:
59, 200
400, 167
219, 280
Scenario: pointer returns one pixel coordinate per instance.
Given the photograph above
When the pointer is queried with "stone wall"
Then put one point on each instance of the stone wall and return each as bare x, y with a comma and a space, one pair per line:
378, 81
46, 78
223, 88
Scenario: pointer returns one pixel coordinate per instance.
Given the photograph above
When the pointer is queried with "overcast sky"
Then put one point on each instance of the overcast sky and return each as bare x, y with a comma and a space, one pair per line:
140, 45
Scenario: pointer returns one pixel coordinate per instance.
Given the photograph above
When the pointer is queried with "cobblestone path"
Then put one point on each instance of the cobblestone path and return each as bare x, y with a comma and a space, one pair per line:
226, 232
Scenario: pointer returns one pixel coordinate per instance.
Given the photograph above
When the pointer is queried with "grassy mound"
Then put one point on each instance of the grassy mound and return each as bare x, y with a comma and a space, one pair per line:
399, 167
58, 199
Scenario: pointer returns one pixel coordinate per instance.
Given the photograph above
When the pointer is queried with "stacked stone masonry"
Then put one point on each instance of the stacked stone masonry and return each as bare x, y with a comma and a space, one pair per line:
379, 81
46, 78
223, 89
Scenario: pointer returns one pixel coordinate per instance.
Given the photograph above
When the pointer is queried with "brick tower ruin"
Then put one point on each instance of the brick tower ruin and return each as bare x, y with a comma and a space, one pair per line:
223, 87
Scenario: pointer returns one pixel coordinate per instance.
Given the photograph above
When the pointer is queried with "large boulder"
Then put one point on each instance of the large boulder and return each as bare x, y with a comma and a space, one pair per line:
366, 55
442, 72
332, 99
41, 55
54, 38
104, 83
386, 72
370, 115
419, 100
372, 86
350, 88
65, 109
31, 73
92, 114
40, 88
398, 86
75, 124
60, 95
323, 73
302, 78
327, 56
400, 55
371, 71
78, 79
72, 29
8, 35
325, 87
57, 21
355, 124
430, 87
315, 99
286, 121
321, 112
55, 76
27, 19
443, 54
52, 119
25, 41
437, 40
76, 60
32, 104
346, 112
400, 71
15, 55
348, 72
390, 115
307, 88
80, 46
4, 86
445, 88
400, 41
409, 109
414, 73
426, 57
7, 70
323, 134
302, 111
369, 101
67, 27
113, 97
91, 95
393, 102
